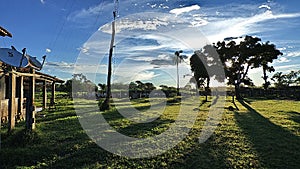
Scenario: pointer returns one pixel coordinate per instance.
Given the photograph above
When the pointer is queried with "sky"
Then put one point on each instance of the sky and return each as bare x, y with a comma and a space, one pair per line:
75, 34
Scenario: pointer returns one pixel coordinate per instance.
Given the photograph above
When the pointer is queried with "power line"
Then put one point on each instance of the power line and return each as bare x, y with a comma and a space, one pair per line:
54, 41
98, 16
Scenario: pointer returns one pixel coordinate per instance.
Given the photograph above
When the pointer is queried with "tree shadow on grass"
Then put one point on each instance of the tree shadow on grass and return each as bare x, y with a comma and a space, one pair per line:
48, 142
50, 116
133, 128
276, 147
93, 156
295, 116
143, 129
115, 115
207, 155
204, 102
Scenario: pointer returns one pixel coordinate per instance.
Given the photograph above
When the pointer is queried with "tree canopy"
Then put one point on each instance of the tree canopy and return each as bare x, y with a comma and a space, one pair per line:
239, 58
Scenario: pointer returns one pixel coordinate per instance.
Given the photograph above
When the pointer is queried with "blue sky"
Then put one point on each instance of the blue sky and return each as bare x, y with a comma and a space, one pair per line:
75, 34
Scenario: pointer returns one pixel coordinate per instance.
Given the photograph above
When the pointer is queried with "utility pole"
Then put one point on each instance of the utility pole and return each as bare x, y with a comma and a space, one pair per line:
106, 104
177, 53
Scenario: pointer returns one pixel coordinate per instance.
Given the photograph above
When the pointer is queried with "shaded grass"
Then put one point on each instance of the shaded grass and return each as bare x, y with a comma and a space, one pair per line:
277, 146
262, 134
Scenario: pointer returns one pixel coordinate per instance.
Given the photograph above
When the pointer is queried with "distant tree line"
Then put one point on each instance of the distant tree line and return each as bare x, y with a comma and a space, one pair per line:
138, 89
282, 80
78, 85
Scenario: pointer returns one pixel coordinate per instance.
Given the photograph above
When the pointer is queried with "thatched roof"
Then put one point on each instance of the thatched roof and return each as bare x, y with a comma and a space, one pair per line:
4, 32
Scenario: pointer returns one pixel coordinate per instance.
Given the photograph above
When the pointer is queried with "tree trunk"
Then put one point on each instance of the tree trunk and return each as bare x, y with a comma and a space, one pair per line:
207, 89
265, 77
237, 92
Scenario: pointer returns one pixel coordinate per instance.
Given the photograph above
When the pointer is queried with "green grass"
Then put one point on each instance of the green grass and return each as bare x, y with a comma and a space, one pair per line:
261, 134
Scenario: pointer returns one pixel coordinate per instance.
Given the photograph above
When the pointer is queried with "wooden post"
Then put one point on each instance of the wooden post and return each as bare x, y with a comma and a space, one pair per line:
53, 93
12, 102
52, 99
2, 88
2, 97
30, 108
21, 96
44, 94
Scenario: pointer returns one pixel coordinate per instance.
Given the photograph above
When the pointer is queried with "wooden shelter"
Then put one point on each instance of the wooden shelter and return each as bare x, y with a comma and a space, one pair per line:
19, 74
17, 94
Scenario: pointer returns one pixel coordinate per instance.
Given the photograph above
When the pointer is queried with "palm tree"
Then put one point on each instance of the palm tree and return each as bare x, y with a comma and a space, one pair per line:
178, 59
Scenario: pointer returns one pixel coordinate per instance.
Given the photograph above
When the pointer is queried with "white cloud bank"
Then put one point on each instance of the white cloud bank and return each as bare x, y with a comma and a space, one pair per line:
293, 54
239, 26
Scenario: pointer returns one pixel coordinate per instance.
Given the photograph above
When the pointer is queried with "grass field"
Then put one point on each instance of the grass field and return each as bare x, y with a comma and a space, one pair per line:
261, 134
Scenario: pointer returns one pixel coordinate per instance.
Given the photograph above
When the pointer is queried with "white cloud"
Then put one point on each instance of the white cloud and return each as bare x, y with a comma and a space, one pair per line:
128, 71
198, 21
86, 13
240, 26
282, 49
293, 54
71, 68
283, 60
146, 75
152, 46
142, 58
84, 49
287, 68
59, 64
178, 11
164, 43
135, 24
163, 59
48, 50
43, 1
265, 6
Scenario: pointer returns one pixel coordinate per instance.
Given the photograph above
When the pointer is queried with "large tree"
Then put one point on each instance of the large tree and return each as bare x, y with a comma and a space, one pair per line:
266, 54
206, 64
237, 59
198, 62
